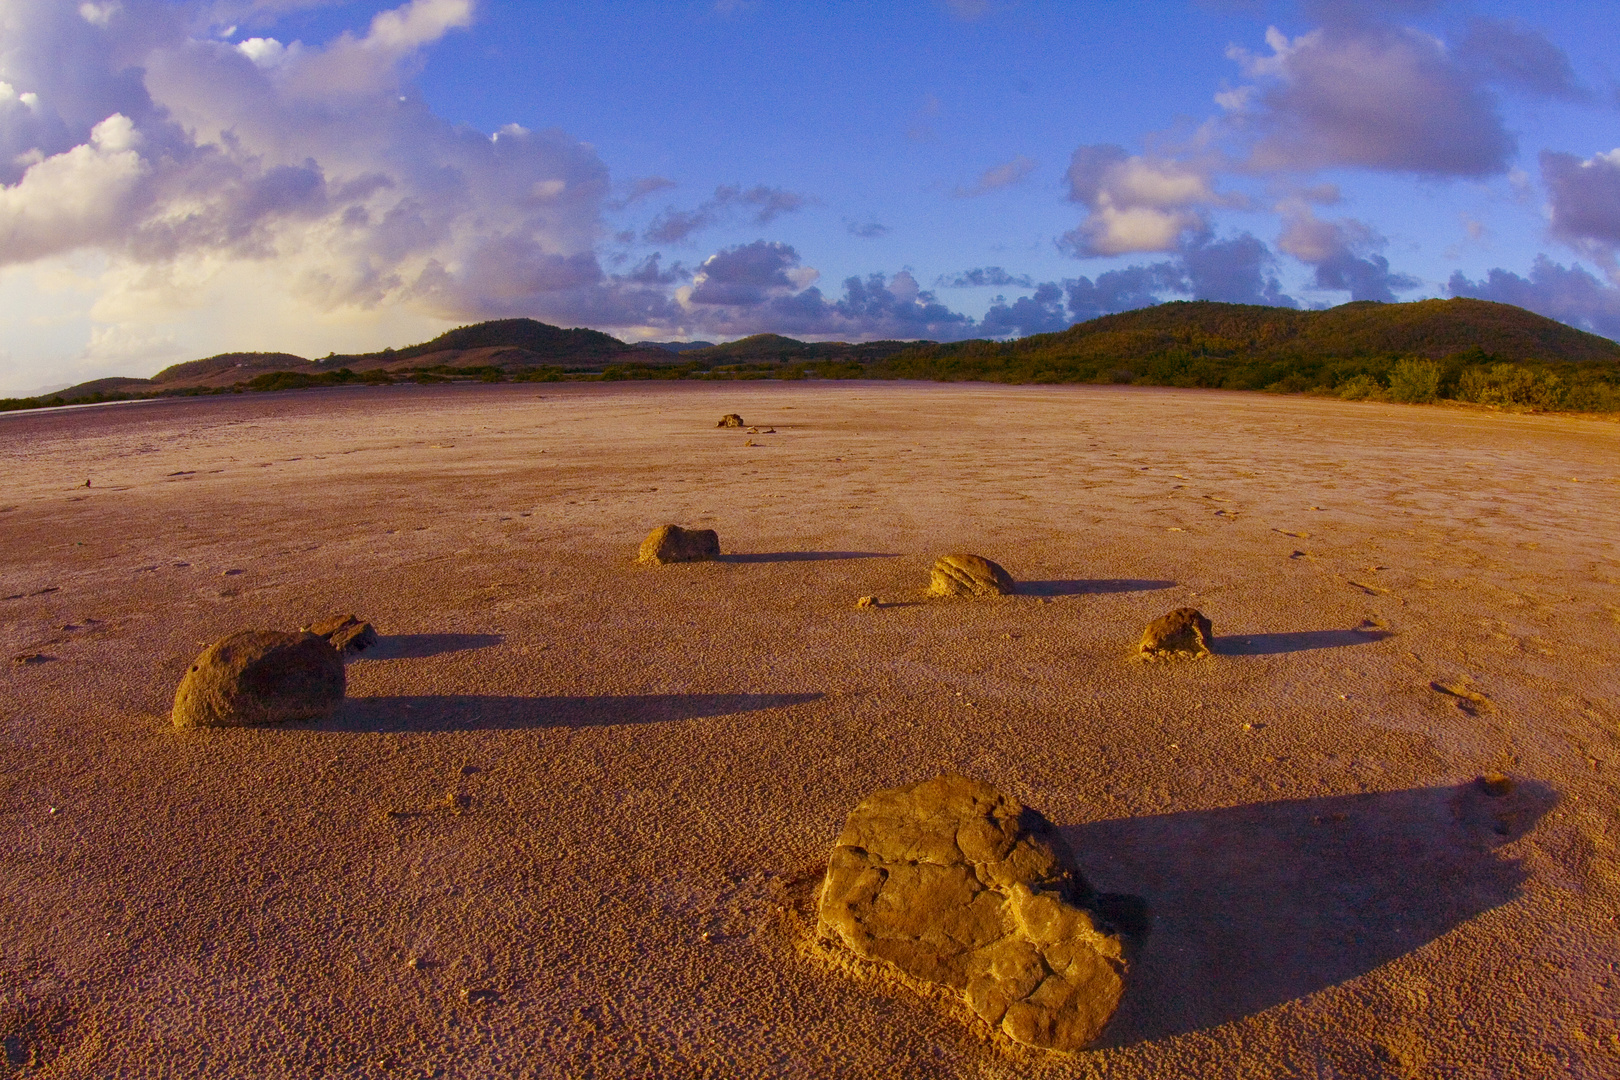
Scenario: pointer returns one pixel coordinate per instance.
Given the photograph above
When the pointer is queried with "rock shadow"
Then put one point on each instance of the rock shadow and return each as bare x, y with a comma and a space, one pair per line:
480, 712
1299, 641
802, 556
420, 646
1253, 906
1085, 588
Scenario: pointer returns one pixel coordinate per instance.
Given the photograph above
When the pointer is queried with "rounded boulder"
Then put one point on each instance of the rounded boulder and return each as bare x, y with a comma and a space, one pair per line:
968, 575
672, 544
260, 677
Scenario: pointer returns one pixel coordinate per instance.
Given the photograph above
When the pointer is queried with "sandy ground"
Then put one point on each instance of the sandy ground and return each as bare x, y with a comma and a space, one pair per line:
591, 800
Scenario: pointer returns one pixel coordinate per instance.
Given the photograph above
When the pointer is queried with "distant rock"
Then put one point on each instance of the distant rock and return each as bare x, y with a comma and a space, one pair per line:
346, 633
260, 677
868, 602
958, 885
731, 419
968, 575
1183, 632
672, 544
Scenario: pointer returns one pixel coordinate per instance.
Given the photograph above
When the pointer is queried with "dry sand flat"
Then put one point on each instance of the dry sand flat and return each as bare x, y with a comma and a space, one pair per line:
571, 815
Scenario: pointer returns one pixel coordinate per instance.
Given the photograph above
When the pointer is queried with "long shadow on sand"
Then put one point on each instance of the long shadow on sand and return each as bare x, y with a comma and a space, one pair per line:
1256, 905
802, 556
419, 646
1084, 588
1300, 641
479, 712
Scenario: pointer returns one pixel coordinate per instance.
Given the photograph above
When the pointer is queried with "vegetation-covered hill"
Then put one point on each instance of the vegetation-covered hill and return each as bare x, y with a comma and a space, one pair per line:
1468, 349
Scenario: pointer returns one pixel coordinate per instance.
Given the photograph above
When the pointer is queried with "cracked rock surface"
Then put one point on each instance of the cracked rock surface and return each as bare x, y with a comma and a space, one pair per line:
968, 575
959, 885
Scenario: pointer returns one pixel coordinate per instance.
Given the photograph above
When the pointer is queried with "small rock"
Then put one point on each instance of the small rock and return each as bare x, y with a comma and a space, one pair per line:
1183, 632
346, 633
868, 602
1496, 785
671, 544
968, 575
31, 658
260, 677
731, 419
958, 885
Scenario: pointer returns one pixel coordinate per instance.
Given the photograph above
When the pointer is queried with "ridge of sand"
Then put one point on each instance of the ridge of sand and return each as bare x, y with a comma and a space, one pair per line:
589, 800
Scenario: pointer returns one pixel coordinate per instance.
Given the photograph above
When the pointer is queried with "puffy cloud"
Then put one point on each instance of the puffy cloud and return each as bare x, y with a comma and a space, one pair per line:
1369, 96
747, 275
1570, 294
1239, 270
1041, 313
195, 167
1235, 271
1509, 52
1000, 176
1122, 290
1136, 203
75, 197
768, 203
763, 286
1343, 253
984, 276
1584, 200
642, 188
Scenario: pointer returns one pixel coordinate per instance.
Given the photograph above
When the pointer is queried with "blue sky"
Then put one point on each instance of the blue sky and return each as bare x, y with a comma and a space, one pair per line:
186, 178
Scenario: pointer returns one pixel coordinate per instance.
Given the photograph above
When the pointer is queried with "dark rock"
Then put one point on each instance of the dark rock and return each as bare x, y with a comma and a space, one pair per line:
968, 575
672, 544
1183, 632
260, 677
346, 633
958, 885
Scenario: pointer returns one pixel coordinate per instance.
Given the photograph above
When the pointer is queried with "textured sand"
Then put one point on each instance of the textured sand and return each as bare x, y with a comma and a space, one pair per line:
591, 798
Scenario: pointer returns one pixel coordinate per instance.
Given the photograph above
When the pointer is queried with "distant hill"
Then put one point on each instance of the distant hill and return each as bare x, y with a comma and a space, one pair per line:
1184, 343
1246, 347
1429, 328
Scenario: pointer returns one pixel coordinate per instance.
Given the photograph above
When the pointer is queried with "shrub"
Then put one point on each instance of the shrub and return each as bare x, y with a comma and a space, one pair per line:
1361, 388
1416, 382
1512, 385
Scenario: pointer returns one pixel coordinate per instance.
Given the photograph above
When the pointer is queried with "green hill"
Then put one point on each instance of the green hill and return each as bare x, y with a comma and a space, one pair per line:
1246, 347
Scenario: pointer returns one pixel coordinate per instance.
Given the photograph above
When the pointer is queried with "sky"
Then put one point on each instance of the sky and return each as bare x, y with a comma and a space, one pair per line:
180, 178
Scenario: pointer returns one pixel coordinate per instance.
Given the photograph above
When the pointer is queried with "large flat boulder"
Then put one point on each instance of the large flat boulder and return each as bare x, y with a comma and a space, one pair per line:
260, 677
672, 544
968, 575
958, 885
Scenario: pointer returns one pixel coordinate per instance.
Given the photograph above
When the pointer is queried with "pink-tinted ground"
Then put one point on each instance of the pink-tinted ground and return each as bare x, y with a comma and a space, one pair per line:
569, 820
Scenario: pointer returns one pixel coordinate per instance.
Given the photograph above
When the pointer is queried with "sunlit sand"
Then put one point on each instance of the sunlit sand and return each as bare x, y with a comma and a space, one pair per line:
571, 816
